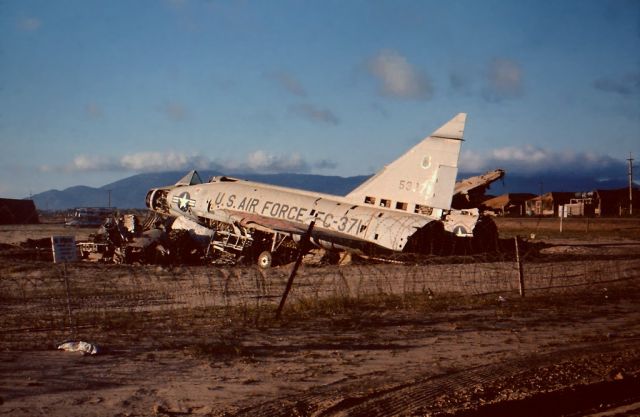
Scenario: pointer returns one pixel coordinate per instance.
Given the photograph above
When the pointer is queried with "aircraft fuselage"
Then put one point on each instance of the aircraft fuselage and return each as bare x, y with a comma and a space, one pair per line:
340, 224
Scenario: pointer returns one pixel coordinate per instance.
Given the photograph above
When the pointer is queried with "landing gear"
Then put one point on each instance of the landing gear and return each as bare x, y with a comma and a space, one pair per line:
232, 243
271, 249
265, 259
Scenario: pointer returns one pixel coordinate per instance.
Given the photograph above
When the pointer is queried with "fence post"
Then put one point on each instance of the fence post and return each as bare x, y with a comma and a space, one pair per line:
561, 208
520, 270
66, 286
304, 242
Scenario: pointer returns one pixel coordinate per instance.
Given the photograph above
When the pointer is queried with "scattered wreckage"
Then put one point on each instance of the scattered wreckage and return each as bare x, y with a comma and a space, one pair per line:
125, 240
164, 240
89, 216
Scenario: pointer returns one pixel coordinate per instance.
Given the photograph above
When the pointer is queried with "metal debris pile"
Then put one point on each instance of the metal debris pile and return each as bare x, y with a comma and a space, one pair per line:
167, 240
126, 240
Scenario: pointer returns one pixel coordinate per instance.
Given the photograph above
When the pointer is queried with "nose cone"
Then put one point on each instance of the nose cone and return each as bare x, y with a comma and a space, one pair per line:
147, 200
156, 200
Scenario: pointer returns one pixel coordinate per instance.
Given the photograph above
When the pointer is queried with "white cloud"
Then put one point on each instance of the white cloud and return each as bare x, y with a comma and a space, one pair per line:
30, 24
398, 78
135, 162
261, 161
504, 80
257, 161
91, 163
531, 160
83, 163
163, 161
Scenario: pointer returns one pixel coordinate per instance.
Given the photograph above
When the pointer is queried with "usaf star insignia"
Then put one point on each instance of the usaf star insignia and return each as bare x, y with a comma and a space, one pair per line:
183, 201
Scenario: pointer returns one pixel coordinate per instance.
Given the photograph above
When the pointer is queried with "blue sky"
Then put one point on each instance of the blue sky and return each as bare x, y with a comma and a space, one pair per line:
94, 91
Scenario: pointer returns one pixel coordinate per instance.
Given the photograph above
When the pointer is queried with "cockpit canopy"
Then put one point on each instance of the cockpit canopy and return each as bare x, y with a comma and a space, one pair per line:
192, 178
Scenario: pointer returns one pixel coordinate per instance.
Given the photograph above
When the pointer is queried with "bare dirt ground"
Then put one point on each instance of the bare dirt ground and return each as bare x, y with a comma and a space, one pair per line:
451, 339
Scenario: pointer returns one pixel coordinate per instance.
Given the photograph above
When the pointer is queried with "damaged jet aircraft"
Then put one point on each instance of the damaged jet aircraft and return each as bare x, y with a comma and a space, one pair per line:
405, 207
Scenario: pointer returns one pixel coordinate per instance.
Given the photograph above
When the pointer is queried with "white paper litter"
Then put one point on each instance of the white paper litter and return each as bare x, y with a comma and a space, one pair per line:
79, 346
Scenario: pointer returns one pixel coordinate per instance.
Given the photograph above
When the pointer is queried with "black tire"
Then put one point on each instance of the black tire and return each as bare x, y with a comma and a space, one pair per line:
265, 259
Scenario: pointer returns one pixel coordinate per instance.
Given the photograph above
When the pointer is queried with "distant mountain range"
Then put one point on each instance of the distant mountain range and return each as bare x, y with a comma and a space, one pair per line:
130, 192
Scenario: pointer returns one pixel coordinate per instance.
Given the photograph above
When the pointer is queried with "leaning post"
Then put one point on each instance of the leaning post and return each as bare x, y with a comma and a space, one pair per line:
520, 270
303, 247
64, 250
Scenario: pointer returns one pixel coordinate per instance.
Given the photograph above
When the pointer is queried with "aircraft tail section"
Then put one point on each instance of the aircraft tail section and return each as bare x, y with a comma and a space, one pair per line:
423, 178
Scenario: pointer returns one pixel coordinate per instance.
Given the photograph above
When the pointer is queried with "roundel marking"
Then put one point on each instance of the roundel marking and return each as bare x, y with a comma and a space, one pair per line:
184, 201
459, 231
426, 162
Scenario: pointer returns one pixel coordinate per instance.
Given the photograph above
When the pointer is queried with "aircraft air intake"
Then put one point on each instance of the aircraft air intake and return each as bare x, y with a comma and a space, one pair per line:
156, 200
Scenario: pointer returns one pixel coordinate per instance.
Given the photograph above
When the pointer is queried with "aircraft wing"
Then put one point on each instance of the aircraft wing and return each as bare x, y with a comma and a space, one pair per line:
337, 239
480, 182
470, 192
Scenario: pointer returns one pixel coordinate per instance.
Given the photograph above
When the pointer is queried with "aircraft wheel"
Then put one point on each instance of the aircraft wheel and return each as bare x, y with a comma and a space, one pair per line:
265, 259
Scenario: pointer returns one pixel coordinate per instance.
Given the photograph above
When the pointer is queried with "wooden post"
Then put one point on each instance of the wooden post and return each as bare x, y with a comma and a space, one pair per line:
64, 250
561, 216
303, 247
520, 270
66, 285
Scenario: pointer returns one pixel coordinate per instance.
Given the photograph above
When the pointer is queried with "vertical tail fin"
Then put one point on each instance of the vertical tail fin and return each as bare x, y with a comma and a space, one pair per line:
422, 178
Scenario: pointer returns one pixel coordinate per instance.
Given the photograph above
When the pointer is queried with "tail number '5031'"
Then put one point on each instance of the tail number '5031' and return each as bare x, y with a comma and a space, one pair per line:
409, 185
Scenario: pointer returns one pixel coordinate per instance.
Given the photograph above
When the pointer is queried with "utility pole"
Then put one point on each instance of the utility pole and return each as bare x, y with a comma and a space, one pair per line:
630, 184
109, 191
540, 213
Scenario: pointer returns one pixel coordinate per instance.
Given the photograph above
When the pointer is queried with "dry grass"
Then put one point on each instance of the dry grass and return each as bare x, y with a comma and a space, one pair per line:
207, 310
583, 228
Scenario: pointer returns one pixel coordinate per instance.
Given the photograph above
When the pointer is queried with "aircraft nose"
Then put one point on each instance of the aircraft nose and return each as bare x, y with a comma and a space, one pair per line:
156, 200
147, 200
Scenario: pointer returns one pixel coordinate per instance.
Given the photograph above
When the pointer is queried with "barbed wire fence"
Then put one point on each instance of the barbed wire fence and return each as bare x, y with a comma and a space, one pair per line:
34, 298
